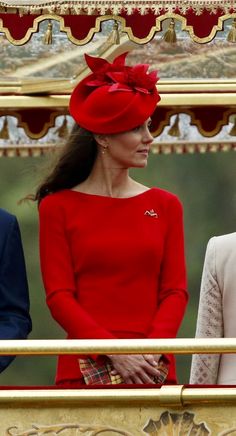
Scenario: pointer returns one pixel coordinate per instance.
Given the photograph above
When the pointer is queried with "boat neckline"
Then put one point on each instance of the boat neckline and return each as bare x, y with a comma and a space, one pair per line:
108, 197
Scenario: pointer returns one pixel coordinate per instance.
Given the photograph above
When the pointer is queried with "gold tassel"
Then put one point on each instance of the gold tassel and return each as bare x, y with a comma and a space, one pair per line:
170, 35
114, 37
4, 132
174, 129
232, 33
232, 131
62, 131
47, 39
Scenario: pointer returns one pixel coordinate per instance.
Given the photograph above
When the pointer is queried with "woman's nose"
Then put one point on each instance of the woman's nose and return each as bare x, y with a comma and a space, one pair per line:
147, 137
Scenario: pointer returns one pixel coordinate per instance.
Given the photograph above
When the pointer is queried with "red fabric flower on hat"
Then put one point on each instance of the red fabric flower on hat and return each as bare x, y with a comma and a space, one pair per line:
119, 76
101, 67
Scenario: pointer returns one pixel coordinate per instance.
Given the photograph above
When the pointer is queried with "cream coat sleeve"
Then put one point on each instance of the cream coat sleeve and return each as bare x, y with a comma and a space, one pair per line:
204, 368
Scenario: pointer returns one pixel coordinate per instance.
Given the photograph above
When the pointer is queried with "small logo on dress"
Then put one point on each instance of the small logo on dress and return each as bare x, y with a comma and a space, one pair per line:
151, 213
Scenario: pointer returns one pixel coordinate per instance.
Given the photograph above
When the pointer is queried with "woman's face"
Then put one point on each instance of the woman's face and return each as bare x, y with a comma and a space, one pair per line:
129, 149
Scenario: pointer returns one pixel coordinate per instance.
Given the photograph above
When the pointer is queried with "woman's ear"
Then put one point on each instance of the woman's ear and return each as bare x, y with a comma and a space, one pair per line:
101, 140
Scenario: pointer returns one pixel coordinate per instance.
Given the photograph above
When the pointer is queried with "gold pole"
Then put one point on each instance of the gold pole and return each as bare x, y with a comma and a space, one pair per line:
167, 99
118, 346
177, 396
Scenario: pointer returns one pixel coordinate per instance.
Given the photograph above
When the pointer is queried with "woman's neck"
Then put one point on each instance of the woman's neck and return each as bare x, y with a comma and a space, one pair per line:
105, 180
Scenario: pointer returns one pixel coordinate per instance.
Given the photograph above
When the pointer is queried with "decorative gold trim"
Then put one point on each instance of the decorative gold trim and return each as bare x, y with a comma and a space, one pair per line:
222, 122
129, 31
123, 28
43, 132
217, 27
63, 28
27, 36
103, 6
162, 124
194, 121
25, 126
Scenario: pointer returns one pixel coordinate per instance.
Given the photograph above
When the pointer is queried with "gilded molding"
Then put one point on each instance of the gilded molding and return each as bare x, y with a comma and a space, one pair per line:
123, 28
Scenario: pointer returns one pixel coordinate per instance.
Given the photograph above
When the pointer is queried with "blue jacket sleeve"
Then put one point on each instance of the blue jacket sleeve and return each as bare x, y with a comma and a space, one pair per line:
15, 321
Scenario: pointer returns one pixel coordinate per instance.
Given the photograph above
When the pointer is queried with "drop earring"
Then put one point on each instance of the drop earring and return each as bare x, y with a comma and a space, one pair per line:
104, 150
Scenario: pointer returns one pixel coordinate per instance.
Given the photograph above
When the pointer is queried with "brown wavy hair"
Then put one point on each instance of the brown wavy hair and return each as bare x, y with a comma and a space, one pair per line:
73, 166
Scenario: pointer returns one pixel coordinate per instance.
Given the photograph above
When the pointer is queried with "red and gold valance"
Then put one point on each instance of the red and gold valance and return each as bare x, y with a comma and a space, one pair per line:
140, 20
208, 120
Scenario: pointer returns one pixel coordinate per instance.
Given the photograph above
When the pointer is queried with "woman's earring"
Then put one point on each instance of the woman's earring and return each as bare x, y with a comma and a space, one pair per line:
104, 150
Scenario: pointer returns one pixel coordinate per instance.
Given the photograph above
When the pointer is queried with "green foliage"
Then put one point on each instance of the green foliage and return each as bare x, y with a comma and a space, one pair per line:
204, 183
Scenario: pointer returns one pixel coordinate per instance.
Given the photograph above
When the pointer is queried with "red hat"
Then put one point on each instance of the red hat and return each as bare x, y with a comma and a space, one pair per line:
115, 97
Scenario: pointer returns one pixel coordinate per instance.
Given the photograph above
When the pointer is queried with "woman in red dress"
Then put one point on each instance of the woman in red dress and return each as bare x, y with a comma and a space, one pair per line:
111, 249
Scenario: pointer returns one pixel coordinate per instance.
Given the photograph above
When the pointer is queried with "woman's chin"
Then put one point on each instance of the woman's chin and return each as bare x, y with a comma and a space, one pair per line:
141, 164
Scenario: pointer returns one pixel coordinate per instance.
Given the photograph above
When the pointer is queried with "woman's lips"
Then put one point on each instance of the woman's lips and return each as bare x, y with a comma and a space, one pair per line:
144, 151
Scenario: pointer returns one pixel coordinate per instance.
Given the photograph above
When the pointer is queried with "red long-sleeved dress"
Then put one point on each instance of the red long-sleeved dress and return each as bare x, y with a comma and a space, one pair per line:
113, 267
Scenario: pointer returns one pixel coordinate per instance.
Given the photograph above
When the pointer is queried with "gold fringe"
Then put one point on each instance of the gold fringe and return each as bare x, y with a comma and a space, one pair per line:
114, 7
62, 131
114, 37
170, 35
4, 132
174, 129
232, 33
47, 39
232, 131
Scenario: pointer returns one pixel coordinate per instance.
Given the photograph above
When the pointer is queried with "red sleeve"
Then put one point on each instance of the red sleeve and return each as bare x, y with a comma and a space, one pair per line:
58, 276
172, 294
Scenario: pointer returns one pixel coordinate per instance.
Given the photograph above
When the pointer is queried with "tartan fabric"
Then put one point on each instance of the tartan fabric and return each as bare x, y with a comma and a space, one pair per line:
99, 373
163, 367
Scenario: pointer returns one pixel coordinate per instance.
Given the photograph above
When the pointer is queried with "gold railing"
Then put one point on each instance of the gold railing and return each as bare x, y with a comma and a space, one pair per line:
118, 346
178, 395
